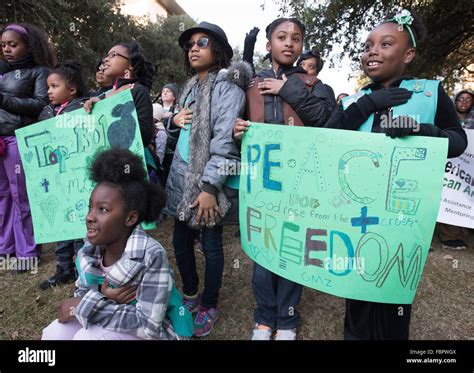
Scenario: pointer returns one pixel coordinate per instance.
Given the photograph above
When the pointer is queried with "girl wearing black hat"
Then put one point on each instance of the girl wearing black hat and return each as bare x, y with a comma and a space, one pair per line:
201, 188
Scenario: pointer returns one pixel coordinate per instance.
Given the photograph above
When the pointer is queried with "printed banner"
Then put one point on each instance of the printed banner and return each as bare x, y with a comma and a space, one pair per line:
348, 213
457, 200
55, 154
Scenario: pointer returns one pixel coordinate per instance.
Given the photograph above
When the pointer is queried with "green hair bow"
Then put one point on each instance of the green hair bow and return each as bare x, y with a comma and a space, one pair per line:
405, 19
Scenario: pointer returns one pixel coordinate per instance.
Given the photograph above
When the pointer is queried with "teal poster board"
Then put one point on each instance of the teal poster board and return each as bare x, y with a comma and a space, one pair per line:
348, 213
55, 154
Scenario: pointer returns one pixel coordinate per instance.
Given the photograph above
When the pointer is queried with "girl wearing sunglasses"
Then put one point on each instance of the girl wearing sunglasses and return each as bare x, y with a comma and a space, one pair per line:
200, 192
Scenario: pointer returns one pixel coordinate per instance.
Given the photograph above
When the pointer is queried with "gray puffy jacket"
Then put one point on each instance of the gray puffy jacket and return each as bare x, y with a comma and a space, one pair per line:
227, 104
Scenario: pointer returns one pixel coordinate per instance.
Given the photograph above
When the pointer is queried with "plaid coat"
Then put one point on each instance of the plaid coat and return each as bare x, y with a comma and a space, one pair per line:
143, 263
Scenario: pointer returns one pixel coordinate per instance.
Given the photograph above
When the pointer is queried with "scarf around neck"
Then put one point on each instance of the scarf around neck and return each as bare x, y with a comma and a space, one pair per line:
199, 153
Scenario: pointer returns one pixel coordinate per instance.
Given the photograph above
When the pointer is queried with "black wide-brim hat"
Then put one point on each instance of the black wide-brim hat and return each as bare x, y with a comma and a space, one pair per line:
207, 28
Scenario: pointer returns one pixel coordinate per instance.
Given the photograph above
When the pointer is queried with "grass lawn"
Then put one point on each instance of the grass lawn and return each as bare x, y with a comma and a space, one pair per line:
442, 308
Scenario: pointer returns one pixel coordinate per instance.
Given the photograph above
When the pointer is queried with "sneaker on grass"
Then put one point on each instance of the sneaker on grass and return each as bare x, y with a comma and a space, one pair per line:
285, 335
192, 303
262, 333
204, 321
59, 278
454, 244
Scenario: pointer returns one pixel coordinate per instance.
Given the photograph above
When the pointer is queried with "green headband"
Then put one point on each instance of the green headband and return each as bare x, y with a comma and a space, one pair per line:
404, 19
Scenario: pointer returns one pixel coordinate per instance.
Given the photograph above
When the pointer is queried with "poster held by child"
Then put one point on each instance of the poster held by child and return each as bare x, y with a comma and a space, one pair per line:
125, 288
126, 65
67, 92
282, 95
379, 107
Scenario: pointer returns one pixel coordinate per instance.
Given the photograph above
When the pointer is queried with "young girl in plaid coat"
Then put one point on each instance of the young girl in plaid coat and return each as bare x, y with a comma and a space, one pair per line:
125, 288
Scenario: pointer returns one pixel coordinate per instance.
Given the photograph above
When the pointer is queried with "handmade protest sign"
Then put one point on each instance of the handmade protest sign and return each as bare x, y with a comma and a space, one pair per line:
348, 213
55, 154
457, 200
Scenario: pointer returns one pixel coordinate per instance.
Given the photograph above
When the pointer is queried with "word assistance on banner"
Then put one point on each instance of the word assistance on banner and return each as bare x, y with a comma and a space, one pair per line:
457, 200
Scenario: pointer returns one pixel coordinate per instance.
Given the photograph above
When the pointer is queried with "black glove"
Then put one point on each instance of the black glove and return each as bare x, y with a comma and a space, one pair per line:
251, 37
403, 126
383, 99
249, 44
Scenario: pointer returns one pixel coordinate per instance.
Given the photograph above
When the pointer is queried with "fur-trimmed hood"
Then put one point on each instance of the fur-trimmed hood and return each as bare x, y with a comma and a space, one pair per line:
203, 161
239, 73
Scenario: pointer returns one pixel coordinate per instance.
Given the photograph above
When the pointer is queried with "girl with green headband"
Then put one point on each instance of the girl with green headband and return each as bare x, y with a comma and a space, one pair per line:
426, 110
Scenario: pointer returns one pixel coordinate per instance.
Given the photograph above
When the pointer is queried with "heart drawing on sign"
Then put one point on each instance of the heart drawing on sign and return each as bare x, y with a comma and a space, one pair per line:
28, 157
49, 208
400, 182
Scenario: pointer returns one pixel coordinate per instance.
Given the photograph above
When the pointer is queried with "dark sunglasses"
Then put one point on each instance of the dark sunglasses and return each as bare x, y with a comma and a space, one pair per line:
201, 43
113, 54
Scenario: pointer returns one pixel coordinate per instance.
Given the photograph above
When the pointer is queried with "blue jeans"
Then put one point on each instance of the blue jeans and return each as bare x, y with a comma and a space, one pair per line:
277, 299
183, 242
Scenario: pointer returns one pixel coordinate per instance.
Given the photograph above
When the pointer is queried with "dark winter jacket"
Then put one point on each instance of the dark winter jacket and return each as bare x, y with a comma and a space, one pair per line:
50, 110
314, 107
143, 105
446, 121
23, 94
325, 92
100, 92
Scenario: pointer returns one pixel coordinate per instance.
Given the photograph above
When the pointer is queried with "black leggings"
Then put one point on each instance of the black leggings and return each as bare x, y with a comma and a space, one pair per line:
376, 321
183, 242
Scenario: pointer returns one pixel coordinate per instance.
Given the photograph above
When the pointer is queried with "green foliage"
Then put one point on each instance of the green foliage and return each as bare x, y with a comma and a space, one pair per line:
258, 62
85, 30
160, 42
338, 25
